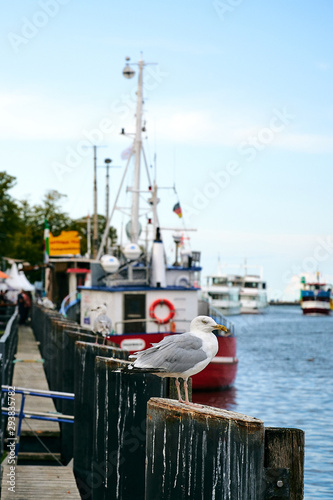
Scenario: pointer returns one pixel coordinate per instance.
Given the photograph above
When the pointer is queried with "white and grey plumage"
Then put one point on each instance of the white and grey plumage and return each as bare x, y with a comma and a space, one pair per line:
181, 355
102, 323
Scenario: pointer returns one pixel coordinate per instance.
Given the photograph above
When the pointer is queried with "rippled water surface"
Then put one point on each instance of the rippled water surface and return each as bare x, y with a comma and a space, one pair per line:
285, 378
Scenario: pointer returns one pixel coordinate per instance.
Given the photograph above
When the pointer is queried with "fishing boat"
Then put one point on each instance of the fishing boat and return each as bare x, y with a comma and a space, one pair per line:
146, 297
315, 297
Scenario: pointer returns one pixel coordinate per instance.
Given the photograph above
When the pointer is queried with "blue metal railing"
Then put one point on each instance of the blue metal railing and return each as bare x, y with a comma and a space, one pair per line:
11, 412
68, 302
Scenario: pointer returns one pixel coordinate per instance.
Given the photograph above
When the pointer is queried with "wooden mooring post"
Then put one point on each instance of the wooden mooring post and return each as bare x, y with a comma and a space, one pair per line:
118, 467
284, 463
84, 411
206, 452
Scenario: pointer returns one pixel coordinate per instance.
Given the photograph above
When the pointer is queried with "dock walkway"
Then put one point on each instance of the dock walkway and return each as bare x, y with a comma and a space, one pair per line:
35, 481
29, 373
46, 482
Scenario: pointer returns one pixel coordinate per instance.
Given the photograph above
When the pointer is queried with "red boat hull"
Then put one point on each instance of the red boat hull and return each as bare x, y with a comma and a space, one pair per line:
316, 311
219, 374
221, 371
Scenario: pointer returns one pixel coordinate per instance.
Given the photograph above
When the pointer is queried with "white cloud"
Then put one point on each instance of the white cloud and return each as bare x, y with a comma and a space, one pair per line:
283, 244
199, 127
34, 117
308, 143
38, 117
205, 127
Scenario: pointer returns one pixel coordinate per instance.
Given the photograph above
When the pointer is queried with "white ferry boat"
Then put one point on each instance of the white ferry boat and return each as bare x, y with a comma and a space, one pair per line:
253, 295
223, 294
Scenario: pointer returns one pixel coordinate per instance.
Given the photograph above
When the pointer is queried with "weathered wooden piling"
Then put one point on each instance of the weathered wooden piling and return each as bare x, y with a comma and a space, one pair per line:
201, 453
284, 463
120, 430
57, 337
84, 388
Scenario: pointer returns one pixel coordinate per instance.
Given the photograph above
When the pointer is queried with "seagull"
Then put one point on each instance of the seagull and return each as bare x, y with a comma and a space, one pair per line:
181, 355
102, 323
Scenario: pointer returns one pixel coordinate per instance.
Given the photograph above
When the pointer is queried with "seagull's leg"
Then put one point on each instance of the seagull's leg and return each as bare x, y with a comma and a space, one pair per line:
186, 392
96, 341
187, 401
178, 390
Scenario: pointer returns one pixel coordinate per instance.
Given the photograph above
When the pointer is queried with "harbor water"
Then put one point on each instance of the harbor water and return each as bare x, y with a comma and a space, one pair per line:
285, 378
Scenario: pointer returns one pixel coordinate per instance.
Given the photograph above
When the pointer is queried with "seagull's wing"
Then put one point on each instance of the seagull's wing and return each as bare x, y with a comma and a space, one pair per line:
174, 354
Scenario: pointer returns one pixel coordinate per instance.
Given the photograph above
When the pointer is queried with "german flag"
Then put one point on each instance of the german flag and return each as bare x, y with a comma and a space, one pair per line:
177, 209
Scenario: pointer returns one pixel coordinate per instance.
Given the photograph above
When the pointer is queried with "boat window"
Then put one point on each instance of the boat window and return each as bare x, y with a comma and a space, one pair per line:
219, 296
251, 284
219, 281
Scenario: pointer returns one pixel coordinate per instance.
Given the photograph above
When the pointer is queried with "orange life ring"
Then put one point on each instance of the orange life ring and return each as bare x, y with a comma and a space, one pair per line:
160, 302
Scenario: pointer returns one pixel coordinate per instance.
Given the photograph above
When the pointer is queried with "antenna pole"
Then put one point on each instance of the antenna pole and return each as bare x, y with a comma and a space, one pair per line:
88, 237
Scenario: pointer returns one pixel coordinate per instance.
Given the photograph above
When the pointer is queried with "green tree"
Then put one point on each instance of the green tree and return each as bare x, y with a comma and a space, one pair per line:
27, 244
9, 214
22, 224
51, 210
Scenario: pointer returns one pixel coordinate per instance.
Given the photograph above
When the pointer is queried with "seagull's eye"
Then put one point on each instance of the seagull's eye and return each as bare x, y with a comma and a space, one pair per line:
204, 322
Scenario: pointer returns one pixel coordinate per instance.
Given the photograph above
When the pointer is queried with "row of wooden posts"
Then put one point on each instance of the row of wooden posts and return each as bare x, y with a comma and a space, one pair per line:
8, 348
131, 441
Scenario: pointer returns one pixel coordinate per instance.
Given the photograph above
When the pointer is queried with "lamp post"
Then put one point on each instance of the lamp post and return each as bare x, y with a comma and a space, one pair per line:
107, 162
95, 223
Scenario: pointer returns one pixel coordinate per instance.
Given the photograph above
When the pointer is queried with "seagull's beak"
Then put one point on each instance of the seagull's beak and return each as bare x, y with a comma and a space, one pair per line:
221, 327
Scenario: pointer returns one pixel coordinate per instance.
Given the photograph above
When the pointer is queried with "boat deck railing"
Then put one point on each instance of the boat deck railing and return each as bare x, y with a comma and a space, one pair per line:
218, 317
221, 320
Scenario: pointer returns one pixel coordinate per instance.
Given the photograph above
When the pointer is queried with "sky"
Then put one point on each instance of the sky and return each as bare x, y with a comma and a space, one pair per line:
238, 113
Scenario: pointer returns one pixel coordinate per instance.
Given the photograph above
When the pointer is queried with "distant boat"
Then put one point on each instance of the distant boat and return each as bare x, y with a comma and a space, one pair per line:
236, 294
253, 295
316, 297
223, 294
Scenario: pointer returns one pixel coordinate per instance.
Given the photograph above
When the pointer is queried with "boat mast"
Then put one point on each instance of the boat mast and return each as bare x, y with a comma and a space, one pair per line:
134, 232
134, 226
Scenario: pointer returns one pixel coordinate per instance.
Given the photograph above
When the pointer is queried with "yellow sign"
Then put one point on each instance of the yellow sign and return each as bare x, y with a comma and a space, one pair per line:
67, 243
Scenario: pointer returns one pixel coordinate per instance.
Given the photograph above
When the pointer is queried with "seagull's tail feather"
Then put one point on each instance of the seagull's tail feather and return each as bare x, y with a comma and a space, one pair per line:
133, 369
